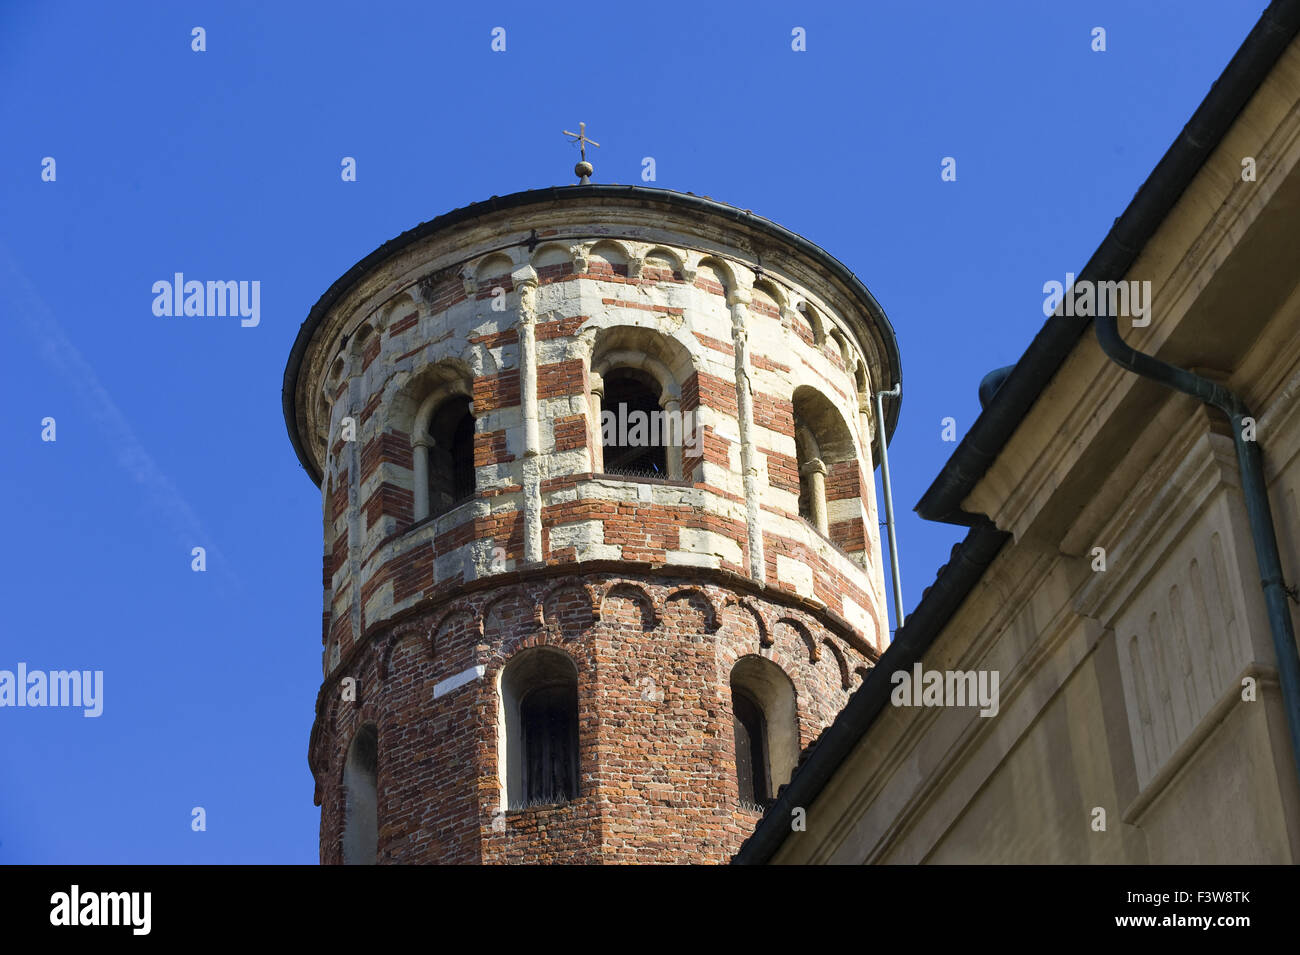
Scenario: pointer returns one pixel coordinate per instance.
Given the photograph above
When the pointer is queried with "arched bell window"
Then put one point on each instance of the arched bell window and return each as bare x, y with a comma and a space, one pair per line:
637, 423
443, 452
451, 455
634, 440
830, 483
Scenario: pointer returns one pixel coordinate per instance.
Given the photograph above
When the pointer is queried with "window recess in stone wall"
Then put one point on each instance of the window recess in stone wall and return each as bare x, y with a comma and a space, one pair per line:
361, 799
443, 454
751, 750
539, 732
638, 425
766, 730
830, 487
451, 455
635, 431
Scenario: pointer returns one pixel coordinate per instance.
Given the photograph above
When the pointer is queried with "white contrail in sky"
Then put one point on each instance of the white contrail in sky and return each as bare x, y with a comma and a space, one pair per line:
23, 301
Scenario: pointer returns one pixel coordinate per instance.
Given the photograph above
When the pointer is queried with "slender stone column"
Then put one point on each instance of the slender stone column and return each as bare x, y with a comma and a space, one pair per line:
815, 472
672, 435
737, 300
420, 457
525, 282
597, 442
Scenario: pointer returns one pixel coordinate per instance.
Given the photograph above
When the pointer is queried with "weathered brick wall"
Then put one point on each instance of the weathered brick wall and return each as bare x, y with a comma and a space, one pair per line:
657, 765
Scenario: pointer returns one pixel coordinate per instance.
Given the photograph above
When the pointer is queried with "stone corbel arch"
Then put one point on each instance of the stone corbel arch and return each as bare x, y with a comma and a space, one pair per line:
357, 342
494, 265
399, 306
612, 251
663, 253
773, 289
397, 635
861, 382
761, 627
695, 597
846, 679
725, 271
814, 319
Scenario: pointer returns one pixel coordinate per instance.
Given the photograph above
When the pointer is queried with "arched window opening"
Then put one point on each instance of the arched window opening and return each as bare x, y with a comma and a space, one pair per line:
450, 443
638, 425
539, 701
751, 749
635, 431
830, 496
361, 799
766, 730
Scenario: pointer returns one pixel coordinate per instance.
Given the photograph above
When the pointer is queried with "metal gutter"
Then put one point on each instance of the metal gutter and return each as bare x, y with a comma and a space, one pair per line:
1114, 257
1254, 488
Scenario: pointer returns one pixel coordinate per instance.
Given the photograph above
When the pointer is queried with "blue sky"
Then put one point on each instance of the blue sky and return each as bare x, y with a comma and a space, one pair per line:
225, 164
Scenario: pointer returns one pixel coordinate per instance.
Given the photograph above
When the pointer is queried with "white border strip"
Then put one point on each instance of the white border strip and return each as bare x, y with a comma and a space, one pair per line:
460, 679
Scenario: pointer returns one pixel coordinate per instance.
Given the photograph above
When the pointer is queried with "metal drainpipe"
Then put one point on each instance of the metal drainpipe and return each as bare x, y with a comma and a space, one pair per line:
889, 503
1251, 465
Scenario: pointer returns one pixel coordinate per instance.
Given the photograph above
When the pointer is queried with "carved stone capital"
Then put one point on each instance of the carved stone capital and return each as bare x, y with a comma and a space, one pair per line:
581, 255
427, 288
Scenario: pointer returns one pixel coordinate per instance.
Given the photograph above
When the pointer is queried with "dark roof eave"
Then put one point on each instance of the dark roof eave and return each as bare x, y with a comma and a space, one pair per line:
964, 569
1276, 27
686, 200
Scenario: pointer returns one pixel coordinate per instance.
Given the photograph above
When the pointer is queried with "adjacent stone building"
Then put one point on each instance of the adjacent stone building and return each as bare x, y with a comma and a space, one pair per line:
1113, 575
600, 534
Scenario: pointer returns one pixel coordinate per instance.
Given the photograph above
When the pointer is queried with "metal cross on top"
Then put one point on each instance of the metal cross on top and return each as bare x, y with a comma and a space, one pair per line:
580, 137
583, 169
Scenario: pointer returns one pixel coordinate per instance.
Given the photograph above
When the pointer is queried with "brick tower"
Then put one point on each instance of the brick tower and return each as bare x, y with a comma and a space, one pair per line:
601, 549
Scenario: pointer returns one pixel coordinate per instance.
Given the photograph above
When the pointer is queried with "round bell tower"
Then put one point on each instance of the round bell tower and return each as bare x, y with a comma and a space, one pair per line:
601, 550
